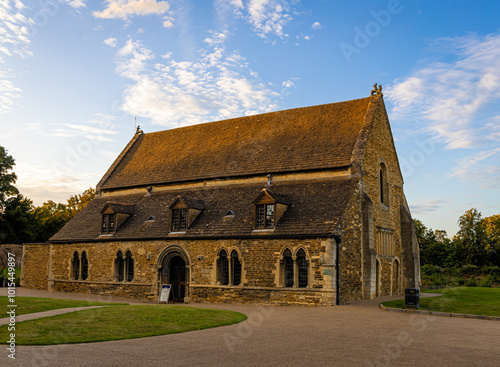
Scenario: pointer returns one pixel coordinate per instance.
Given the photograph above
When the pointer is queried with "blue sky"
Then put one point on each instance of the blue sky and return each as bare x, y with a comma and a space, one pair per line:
74, 74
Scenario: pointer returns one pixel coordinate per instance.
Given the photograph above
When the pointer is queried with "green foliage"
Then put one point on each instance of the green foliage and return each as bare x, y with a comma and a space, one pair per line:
16, 224
487, 281
471, 238
7, 178
471, 282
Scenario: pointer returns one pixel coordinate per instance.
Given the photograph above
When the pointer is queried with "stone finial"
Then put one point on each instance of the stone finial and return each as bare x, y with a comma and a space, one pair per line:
377, 91
139, 131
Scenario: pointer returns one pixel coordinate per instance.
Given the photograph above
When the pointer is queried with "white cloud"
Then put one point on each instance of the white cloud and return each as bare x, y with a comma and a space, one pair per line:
8, 93
97, 129
473, 168
316, 25
14, 30
453, 97
125, 9
76, 3
218, 85
111, 42
266, 17
57, 182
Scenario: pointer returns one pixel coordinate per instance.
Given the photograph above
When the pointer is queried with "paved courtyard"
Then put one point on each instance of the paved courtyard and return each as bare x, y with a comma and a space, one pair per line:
359, 334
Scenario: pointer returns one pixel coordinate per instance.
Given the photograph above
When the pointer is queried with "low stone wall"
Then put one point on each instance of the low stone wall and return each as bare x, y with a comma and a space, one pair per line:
280, 296
35, 265
128, 290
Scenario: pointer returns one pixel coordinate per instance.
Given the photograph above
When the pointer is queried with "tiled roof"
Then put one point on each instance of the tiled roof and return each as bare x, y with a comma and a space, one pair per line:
314, 209
308, 138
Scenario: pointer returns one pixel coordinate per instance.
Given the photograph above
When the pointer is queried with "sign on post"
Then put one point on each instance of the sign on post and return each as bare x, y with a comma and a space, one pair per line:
164, 293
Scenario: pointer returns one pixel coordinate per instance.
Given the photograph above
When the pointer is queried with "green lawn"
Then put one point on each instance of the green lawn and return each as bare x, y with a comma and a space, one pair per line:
27, 305
119, 322
466, 300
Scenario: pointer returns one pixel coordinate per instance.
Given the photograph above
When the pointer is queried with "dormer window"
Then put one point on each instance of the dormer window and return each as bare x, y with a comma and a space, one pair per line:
264, 215
184, 212
113, 215
179, 219
108, 223
269, 208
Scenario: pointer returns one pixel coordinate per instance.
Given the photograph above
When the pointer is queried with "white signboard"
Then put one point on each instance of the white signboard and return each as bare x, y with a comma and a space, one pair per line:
164, 293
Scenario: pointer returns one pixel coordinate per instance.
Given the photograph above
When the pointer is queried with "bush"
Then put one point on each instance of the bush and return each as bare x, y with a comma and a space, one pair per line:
431, 269
487, 281
492, 270
471, 282
470, 270
461, 282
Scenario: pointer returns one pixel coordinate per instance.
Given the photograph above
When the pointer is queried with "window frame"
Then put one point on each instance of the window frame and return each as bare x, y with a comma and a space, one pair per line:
176, 217
106, 218
265, 207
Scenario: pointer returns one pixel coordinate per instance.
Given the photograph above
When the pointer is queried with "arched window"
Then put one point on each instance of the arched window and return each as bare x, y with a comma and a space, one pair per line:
383, 185
129, 264
85, 266
287, 268
119, 266
302, 268
235, 268
76, 266
223, 268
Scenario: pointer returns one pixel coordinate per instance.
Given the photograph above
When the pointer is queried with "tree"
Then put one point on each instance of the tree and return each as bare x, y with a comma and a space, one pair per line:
7, 178
49, 218
471, 238
16, 222
492, 228
435, 247
78, 202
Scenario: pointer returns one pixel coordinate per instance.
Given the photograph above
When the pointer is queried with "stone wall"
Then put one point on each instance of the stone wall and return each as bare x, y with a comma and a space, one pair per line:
380, 149
35, 265
261, 280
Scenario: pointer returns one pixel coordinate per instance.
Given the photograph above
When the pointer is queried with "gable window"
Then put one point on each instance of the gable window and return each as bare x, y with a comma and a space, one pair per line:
85, 266
179, 219
235, 268
383, 185
76, 266
108, 223
223, 268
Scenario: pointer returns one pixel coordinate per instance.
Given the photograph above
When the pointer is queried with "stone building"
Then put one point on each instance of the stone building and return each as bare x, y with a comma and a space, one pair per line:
303, 206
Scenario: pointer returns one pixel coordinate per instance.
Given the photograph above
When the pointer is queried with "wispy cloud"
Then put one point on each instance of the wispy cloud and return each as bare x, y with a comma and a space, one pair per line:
111, 42
218, 85
482, 166
424, 207
98, 129
125, 9
76, 3
266, 17
316, 26
14, 43
453, 97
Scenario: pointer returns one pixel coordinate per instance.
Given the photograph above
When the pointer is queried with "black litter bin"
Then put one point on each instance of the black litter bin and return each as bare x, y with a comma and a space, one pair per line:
412, 298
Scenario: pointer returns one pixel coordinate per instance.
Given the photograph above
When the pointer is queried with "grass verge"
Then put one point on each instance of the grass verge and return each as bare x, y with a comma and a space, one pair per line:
119, 322
465, 300
27, 305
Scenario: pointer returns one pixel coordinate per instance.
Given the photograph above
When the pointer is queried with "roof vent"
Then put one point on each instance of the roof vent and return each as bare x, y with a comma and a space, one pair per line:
230, 213
151, 218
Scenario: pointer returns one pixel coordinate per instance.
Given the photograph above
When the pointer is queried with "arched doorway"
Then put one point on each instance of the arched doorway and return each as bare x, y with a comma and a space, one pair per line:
174, 270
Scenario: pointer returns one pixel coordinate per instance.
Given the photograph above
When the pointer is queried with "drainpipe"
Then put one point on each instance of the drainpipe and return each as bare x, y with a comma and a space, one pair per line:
338, 240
